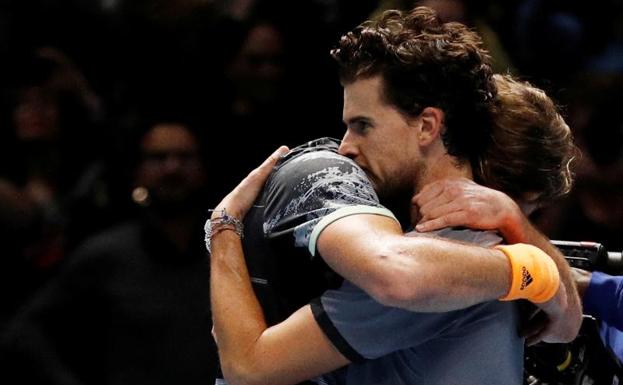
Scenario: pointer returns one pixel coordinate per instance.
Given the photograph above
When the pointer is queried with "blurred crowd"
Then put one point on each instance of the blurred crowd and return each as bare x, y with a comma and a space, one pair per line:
122, 122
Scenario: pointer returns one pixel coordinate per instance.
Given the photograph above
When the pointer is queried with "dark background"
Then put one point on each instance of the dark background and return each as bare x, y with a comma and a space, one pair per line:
248, 76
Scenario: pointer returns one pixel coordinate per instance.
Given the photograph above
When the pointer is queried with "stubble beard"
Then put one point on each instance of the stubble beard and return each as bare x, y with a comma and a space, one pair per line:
397, 192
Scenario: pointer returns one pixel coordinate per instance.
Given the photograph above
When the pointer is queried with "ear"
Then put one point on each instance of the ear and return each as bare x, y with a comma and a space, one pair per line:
432, 119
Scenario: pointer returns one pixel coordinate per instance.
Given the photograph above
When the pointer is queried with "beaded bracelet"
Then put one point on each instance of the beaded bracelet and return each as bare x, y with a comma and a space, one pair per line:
218, 224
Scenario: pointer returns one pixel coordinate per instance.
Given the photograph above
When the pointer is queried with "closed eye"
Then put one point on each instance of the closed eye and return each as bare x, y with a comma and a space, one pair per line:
359, 125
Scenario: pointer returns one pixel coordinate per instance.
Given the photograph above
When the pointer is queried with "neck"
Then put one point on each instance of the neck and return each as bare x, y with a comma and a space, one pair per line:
440, 167
445, 168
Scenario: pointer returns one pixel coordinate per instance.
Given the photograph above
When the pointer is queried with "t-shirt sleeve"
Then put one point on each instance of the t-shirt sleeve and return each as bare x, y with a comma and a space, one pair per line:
310, 191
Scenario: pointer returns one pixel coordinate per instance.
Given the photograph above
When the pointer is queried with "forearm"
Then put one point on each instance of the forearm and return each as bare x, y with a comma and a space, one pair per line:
237, 315
452, 276
463, 203
419, 274
526, 233
529, 234
250, 353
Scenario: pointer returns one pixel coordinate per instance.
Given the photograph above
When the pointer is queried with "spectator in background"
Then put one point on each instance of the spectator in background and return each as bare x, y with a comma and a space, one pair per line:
257, 71
48, 168
263, 101
131, 305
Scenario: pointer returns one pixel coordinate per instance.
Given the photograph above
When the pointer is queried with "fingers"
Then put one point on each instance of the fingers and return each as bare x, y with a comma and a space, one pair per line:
582, 280
535, 339
437, 194
429, 192
536, 328
270, 162
456, 218
438, 209
260, 174
452, 188
254, 182
542, 328
240, 200
440, 205
441, 212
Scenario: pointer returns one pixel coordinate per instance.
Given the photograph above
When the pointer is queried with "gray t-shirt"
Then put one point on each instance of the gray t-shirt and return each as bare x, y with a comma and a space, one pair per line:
474, 346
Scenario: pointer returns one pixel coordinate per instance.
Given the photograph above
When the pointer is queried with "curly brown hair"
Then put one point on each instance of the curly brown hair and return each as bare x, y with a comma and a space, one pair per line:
532, 147
426, 63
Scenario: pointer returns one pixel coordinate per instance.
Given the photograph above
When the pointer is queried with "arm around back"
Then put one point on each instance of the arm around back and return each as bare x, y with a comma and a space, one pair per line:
416, 273
459, 202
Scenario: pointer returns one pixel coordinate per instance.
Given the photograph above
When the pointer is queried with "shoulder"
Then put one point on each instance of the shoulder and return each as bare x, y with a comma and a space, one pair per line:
316, 161
315, 174
311, 182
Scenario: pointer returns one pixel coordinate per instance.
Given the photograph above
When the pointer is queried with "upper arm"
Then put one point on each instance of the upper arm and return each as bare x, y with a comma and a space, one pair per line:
289, 352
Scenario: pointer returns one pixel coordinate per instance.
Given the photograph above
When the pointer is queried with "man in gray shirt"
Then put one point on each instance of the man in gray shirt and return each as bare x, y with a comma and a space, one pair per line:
416, 98
477, 345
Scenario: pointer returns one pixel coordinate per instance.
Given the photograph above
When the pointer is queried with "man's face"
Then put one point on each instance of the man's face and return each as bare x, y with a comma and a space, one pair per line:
171, 168
380, 139
258, 69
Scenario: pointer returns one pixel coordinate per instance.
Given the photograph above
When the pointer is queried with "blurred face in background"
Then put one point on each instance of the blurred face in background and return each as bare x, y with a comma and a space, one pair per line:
36, 116
171, 169
258, 68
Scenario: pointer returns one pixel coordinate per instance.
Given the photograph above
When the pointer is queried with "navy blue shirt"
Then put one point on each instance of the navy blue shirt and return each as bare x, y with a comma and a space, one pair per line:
604, 299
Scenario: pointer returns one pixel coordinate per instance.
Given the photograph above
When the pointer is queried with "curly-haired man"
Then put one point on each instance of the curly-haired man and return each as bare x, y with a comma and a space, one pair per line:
418, 96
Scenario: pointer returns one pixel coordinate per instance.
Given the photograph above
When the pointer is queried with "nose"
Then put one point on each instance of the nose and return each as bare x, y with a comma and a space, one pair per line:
348, 147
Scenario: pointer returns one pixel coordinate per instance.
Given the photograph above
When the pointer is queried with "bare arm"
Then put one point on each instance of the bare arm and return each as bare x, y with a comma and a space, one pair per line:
413, 273
369, 250
420, 274
564, 321
582, 280
460, 202
250, 352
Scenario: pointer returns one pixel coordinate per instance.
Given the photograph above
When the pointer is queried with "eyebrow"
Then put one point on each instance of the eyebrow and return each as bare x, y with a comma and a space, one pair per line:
358, 118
